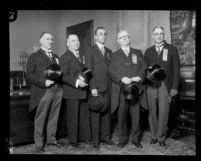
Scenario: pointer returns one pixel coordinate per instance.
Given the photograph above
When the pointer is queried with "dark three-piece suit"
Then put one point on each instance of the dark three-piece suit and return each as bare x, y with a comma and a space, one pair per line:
76, 104
123, 66
98, 63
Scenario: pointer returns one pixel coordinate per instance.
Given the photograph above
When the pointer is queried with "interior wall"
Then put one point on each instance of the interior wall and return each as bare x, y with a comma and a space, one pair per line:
104, 18
25, 31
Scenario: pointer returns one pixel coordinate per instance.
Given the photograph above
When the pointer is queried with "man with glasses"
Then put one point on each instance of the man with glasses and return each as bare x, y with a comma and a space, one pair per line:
97, 59
160, 94
126, 66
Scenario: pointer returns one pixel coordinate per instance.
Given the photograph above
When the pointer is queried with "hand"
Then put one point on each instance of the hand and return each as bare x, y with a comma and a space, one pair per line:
173, 92
48, 83
136, 79
126, 80
94, 92
81, 83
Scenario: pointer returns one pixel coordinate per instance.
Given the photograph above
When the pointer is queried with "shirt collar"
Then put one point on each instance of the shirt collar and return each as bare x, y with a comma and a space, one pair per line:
99, 45
46, 50
126, 48
76, 53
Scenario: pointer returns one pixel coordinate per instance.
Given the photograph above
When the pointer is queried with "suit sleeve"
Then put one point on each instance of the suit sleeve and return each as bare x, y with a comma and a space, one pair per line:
176, 67
90, 64
114, 71
65, 65
143, 66
31, 74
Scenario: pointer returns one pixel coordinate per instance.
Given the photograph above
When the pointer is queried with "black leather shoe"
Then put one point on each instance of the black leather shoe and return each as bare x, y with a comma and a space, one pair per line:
96, 146
154, 141
137, 144
121, 145
75, 145
109, 142
40, 149
56, 144
162, 143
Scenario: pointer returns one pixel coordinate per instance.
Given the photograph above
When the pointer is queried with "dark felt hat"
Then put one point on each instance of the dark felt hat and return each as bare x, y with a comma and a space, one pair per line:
155, 73
97, 103
53, 72
86, 72
132, 91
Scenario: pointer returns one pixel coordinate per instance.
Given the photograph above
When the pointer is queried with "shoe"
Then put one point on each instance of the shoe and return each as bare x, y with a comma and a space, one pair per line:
40, 149
75, 145
109, 142
137, 144
96, 146
162, 143
121, 145
154, 141
55, 144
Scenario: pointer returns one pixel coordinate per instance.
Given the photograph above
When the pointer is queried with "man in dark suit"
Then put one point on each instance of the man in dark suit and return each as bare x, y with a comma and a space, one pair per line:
126, 65
159, 95
97, 59
75, 92
46, 94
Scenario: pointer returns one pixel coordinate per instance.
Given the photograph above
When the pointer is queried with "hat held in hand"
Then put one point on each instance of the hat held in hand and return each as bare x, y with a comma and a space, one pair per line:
53, 72
86, 73
97, 103
155, 73
132, 91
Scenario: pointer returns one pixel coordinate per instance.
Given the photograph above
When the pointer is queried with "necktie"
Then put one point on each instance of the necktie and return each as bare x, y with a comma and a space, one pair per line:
158, 50
49, 54
103, 50
126, 52
78, 56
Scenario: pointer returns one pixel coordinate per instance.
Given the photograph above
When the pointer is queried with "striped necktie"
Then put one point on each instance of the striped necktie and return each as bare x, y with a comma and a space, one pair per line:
102, 50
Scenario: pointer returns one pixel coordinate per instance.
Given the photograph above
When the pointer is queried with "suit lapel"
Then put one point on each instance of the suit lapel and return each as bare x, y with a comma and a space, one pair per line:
98, 52
44, 55
75, 58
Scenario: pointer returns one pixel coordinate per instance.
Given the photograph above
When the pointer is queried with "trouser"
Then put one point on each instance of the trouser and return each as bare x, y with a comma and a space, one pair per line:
78, 126
133, 108
158, 100
47, 114
100, 124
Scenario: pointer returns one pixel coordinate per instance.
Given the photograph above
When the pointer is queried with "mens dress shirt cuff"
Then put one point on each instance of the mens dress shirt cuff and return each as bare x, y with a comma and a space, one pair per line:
76, 83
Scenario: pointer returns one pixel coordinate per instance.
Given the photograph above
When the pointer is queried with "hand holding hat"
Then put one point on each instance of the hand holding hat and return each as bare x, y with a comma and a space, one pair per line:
155, 73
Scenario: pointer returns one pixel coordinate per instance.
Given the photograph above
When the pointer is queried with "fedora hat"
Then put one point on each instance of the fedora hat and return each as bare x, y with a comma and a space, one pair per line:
155, 73
53, 72
97, 103
132, 91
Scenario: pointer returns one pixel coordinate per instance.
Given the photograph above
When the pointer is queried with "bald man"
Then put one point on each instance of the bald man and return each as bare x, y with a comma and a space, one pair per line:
126, 65
75, 93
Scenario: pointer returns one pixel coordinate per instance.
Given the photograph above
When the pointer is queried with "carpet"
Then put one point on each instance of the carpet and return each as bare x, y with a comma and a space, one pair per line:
174, 147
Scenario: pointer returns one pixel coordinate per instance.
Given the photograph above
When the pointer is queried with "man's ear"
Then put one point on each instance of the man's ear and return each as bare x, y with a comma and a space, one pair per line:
118, 40
95, 37
41, 40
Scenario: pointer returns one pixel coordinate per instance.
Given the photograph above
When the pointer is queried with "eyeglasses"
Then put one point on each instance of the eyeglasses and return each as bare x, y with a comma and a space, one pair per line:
158, 34
124, 37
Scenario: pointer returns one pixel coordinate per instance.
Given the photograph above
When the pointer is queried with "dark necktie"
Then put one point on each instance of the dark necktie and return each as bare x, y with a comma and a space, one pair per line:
49, 55
102, 50
158, 50
78, 56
